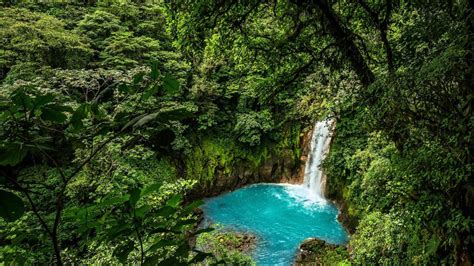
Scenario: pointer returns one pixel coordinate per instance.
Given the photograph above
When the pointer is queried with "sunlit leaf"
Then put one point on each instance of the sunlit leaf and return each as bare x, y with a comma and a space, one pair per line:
133, 122
150, 189
174, 201
145, 119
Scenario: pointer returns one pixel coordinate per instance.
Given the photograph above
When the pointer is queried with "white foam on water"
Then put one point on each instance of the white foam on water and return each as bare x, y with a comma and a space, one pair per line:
301, 194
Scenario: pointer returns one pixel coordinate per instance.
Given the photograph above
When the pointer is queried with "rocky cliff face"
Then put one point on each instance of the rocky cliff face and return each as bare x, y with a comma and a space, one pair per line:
285, 167
298, 175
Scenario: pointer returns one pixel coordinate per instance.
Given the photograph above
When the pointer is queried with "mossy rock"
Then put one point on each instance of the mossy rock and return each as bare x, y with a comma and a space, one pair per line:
315, 251
233, 248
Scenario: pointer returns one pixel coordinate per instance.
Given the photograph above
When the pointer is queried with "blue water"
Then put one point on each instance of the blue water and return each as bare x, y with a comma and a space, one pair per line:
280, 215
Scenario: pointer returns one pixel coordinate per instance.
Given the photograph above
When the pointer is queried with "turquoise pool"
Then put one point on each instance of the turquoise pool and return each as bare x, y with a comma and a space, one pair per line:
280, 215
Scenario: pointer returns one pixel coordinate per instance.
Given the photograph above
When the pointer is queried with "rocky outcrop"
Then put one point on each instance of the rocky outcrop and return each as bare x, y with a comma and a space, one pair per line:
244, 242
273, 170
349, 223
314, 251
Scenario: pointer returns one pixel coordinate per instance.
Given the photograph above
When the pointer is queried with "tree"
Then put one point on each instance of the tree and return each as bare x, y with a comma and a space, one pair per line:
35, 124
39, 38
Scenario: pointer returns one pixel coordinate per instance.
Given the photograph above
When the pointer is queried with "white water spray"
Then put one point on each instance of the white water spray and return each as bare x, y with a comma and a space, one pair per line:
314, 178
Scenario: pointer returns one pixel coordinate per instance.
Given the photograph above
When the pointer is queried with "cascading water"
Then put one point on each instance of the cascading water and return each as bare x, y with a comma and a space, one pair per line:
281, 216
314, 179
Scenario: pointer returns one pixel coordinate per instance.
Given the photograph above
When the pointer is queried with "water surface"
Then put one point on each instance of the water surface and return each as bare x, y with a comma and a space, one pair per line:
280, 215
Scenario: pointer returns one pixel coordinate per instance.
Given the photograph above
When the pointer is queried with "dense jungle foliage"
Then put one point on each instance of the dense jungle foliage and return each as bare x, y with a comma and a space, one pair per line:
118, 116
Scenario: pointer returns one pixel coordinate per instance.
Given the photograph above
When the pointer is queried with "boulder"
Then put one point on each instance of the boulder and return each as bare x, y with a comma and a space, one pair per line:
312, 252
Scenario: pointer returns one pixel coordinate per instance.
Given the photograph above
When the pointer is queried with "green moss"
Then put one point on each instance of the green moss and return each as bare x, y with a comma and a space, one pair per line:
219, 155
318, 252
222, 154
201, 164
289, 141
231, 247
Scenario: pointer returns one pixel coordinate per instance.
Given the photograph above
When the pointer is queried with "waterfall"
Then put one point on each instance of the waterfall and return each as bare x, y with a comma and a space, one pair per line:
314, 178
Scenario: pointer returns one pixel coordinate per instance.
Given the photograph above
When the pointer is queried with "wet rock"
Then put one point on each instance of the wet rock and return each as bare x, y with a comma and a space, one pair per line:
246, 242
305, 141
266, 170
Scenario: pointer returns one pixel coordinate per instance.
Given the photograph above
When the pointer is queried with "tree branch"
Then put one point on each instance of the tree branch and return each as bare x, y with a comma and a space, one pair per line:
382, 26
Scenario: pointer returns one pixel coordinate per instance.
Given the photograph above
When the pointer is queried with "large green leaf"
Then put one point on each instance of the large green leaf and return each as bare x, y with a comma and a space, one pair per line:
11, 206
124, 88
150, 189
42, 100
131, 122
12, 153
145, 119
151, 90
163, 116
174, 114
60, 108
80, 113
138, 78
22, 100
154, 71
142, 211
166, 211
52, 115
174, 201
183, 249
111, 201
119, 229
170, 85
134, 196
